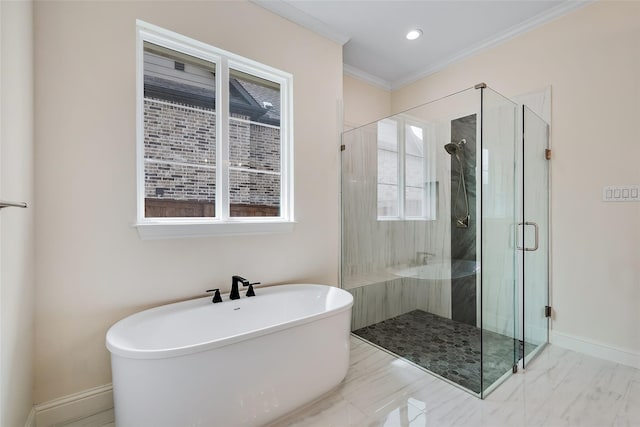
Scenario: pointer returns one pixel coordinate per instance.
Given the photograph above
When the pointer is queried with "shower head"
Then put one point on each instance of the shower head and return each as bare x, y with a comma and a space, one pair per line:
454, 148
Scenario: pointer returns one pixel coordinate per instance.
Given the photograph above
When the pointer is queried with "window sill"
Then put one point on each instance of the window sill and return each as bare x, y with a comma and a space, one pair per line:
150, 230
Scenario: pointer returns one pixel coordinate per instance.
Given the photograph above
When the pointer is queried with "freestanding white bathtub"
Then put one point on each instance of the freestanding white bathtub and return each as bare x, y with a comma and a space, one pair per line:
237, 363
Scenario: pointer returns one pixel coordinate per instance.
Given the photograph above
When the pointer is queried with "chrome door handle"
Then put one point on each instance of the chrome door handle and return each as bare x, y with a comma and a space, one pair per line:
536, 240
537, 236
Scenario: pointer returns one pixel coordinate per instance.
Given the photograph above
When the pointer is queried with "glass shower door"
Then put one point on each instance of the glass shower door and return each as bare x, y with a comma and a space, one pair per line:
497, 170
534, 242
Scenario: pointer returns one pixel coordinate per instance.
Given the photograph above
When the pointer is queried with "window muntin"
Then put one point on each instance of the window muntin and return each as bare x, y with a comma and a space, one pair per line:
200, 185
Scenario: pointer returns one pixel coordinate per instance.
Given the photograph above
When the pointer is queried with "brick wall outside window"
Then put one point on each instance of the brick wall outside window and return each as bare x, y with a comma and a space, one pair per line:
180, 151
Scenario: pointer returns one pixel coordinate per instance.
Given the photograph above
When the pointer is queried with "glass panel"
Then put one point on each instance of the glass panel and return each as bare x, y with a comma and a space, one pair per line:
179, 134
388, 135
535, 232
414, 141
498, 272
359, 199
253, 194
176, 133
254, 145
407, 276
175, 190
254, 98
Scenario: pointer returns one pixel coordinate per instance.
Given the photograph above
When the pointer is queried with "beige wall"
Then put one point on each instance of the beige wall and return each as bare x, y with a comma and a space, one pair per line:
363, 102
591, 58
17, 253
92, 268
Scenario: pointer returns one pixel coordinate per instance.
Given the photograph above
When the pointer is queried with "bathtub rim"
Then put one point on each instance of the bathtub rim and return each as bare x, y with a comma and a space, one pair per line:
167, 353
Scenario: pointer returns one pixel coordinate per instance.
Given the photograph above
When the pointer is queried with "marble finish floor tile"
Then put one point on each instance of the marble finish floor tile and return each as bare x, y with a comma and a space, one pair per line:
558, 388
445, 347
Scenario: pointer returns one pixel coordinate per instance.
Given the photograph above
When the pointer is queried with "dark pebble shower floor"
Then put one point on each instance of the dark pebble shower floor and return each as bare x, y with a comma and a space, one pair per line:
445, 347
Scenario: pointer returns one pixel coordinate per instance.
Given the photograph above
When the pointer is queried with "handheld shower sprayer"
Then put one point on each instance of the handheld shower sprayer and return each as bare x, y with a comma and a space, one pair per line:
456, 149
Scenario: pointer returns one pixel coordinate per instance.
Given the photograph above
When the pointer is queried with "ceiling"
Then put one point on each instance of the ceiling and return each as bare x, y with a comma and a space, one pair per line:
372, 32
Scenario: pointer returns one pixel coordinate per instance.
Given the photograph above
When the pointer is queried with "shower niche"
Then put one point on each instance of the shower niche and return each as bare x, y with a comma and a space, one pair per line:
432, 220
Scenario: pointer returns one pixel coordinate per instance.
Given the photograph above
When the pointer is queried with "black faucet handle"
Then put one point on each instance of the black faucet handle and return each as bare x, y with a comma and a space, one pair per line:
250, 291
216, 296
250, 284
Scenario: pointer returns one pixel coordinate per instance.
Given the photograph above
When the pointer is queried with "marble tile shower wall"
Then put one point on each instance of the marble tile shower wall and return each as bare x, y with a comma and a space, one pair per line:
372, 249
380, 301
463, 240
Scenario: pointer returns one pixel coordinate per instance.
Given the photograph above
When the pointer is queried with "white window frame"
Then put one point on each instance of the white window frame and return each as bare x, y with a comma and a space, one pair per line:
401, 125
400, 172
158, 228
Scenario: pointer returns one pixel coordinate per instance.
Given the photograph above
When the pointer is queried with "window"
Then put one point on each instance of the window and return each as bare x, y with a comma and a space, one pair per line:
214, 140
407, 187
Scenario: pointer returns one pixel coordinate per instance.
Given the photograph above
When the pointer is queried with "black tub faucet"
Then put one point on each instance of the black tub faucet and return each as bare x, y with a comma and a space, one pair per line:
235, 294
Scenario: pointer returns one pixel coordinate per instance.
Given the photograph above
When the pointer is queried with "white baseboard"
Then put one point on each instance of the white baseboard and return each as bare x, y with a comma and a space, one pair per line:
31, 419
74, 406
592, 348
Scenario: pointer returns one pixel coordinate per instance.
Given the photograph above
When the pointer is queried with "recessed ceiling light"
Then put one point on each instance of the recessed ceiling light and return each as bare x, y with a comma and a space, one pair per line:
414, 34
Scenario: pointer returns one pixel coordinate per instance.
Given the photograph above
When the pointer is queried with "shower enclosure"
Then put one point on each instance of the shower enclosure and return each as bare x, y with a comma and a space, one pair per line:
436, 241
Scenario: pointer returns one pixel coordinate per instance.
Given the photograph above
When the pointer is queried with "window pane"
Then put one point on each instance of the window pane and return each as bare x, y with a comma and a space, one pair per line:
388, 135
176, 133
414, 171
174, 190
178, 78
179, 134
413, 201
254, 193
387, 200
387, 167
414, 141
253, 98
254, 146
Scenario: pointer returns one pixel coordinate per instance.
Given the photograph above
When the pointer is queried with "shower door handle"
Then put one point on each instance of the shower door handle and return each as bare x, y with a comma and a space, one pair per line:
537, 236
536, 240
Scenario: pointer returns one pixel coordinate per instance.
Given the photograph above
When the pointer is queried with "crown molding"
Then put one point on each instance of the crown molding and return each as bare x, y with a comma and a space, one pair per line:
295, 15
528, 25
366, 77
